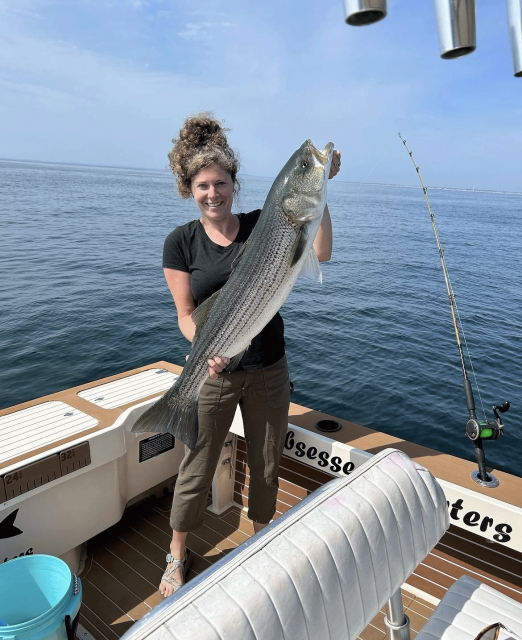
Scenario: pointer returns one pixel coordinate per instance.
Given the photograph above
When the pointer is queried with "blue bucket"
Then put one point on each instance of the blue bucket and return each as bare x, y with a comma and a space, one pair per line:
39, 599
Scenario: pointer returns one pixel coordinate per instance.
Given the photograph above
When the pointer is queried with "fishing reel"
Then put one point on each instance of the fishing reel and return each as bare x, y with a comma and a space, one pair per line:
479, 430
487, 429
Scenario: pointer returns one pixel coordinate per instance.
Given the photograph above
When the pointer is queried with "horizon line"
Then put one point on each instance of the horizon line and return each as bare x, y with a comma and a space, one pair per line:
382, 184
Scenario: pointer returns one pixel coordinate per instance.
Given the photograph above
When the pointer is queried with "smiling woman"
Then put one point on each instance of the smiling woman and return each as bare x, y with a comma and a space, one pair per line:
197, 261
213, 192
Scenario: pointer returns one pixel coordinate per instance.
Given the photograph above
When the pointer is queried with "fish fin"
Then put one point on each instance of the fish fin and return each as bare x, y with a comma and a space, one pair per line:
170, 415
311, 268
234, 361
199, 315
237, 259
299, 245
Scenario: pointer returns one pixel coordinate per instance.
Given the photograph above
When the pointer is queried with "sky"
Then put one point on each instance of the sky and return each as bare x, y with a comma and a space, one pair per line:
109, 82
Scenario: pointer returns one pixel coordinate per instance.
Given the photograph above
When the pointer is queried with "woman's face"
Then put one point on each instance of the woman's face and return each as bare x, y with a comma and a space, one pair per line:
213, 191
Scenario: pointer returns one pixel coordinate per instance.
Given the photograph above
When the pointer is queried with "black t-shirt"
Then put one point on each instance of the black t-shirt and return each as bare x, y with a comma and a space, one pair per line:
188, 248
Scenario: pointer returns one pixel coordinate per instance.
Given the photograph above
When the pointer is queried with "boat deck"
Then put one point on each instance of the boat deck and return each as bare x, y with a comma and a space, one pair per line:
126, 562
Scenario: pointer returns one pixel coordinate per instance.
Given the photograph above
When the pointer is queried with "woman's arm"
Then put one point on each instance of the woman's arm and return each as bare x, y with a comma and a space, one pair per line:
179, 285
323, 242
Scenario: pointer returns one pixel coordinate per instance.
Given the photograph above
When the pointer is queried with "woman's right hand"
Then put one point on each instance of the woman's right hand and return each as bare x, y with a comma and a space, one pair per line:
216, 366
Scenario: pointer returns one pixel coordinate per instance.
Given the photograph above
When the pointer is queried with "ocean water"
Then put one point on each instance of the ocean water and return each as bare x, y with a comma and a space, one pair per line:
83, 296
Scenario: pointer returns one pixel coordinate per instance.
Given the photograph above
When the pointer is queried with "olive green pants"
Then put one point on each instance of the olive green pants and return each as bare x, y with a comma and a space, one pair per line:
264, 397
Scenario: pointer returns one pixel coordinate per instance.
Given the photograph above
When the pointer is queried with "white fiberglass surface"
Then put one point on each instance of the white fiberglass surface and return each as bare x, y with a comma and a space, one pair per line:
125, 390
29, 429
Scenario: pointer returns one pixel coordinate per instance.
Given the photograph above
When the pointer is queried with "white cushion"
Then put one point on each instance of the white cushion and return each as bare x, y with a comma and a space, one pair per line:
468, 607
321, 571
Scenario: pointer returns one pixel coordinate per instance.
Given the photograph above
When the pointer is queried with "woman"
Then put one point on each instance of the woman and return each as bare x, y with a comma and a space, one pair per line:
197, 261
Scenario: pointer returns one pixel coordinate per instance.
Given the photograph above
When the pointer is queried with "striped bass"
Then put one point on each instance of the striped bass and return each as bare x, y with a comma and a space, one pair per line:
279, 248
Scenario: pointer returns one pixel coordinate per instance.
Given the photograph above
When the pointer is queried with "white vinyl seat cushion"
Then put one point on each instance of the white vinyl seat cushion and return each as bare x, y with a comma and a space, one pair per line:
468, 607
321, 571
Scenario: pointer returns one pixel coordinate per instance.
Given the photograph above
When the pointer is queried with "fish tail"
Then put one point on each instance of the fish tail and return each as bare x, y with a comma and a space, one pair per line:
171, 414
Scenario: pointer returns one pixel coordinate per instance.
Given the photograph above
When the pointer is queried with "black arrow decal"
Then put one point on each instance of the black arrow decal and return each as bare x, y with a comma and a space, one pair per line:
7, 528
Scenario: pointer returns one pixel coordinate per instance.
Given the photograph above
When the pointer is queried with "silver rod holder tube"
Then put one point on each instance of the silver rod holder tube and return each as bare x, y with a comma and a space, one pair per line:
514, 14
396, 621
359, 13
456, 27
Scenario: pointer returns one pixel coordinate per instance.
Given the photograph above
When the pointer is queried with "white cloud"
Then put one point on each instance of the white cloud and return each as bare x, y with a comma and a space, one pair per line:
204, 30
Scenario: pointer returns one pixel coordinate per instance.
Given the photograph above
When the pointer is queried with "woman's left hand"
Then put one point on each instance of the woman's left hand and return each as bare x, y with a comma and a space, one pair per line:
336, 164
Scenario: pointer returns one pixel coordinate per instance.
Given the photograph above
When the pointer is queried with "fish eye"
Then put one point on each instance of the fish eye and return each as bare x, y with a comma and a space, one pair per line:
304, 164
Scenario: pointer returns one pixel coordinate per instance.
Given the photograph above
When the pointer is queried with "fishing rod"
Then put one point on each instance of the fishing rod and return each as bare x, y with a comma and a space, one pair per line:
476, 430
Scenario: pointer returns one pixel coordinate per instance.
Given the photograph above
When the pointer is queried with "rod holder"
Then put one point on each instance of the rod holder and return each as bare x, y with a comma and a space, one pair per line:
514, 15
481, 475
359, 13
456, 27
492, 482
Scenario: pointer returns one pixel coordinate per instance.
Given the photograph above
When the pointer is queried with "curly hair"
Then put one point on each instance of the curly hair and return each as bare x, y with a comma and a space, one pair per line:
202, 142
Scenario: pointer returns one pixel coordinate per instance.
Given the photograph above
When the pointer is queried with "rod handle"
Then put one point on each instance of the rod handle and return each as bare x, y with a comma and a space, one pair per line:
470, 401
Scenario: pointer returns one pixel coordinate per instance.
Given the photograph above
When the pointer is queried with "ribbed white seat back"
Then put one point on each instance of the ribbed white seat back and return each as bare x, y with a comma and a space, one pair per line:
320, 572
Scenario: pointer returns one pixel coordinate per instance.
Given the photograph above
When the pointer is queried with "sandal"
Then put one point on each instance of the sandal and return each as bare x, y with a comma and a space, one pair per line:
176, 563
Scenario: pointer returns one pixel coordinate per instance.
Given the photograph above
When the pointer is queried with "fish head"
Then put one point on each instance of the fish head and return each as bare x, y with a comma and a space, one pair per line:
305, 176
